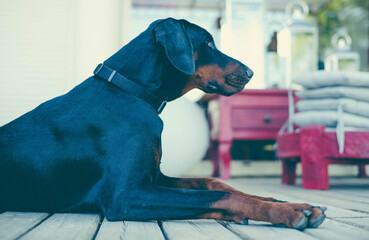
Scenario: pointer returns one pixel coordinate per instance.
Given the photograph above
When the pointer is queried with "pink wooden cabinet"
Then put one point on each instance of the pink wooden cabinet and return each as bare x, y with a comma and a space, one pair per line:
248, 115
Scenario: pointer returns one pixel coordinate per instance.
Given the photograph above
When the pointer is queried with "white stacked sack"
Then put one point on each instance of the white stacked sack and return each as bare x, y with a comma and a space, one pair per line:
333, 99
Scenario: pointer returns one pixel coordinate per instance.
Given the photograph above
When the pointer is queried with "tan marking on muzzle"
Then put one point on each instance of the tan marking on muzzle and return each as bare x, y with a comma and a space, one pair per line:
209, 72
202, 75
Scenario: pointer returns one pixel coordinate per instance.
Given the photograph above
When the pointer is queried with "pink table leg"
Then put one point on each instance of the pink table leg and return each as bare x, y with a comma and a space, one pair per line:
314, 164
214, 155
288, 171
362, 171
224, 151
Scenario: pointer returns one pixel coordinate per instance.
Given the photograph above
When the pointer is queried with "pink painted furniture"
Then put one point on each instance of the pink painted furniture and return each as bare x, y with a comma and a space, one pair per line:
315, 148
248, 115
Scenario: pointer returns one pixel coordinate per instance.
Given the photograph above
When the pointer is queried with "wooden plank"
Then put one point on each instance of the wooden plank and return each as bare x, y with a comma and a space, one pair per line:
347, 195
197, 229
331, 229
262, 230
66, 226
129, 230
14, 224
351, 182
361, 222
352, 186
353, 189
362, 194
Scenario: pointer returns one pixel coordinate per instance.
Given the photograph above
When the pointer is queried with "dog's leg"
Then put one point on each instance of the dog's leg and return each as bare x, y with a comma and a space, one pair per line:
315, 214
157, 202
204, 184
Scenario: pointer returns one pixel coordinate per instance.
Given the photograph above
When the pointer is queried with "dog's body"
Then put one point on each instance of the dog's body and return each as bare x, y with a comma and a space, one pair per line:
97, 148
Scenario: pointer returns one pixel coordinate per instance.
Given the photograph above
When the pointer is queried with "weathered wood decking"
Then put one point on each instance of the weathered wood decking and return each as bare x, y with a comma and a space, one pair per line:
347, 218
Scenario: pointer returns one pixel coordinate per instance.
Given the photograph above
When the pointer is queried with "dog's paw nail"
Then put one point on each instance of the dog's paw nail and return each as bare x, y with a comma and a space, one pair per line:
301, 225
307, 213
316, 222
244, 222
323, 209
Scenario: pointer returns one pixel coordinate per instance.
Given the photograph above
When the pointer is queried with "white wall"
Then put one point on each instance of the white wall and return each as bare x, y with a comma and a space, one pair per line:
35, 52
47, 47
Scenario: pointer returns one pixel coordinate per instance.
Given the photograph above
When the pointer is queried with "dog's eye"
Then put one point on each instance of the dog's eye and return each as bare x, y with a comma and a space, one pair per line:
210, 44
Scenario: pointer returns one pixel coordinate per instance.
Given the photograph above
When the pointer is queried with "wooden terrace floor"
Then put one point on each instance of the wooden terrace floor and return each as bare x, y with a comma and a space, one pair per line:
347, 218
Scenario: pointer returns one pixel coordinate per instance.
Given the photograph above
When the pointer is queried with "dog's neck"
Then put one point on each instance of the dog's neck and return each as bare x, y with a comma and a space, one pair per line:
131, 87
156, 73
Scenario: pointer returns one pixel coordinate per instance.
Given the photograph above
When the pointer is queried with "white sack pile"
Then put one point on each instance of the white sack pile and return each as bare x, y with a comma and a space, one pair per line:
332, 99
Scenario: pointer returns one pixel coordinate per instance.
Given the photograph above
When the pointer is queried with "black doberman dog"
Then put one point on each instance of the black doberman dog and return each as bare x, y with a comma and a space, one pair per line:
97, 148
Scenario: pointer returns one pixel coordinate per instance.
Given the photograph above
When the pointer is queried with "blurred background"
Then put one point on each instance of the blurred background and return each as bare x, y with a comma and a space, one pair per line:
49, 46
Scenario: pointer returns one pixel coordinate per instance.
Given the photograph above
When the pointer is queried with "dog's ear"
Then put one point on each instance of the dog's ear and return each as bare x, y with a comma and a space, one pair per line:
178, 47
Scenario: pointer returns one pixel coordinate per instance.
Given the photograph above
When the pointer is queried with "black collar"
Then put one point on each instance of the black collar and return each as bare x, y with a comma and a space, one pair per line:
130, 86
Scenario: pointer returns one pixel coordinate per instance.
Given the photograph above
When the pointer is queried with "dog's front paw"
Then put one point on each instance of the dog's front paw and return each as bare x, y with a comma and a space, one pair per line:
315, 214
284, 215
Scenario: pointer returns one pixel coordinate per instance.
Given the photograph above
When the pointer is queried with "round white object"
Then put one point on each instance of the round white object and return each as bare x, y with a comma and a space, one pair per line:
185, 137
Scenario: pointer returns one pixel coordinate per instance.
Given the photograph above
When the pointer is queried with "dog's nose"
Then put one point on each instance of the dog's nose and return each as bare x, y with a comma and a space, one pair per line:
249, 73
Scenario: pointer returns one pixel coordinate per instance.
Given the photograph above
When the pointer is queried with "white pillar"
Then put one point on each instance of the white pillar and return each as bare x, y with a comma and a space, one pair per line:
99, 28
125, 20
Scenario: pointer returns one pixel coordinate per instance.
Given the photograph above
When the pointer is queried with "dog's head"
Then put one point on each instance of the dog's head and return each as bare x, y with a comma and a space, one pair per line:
191, 50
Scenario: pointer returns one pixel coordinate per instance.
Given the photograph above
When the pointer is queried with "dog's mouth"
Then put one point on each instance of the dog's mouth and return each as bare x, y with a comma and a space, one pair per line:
228, 90
236, 81
212, 87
